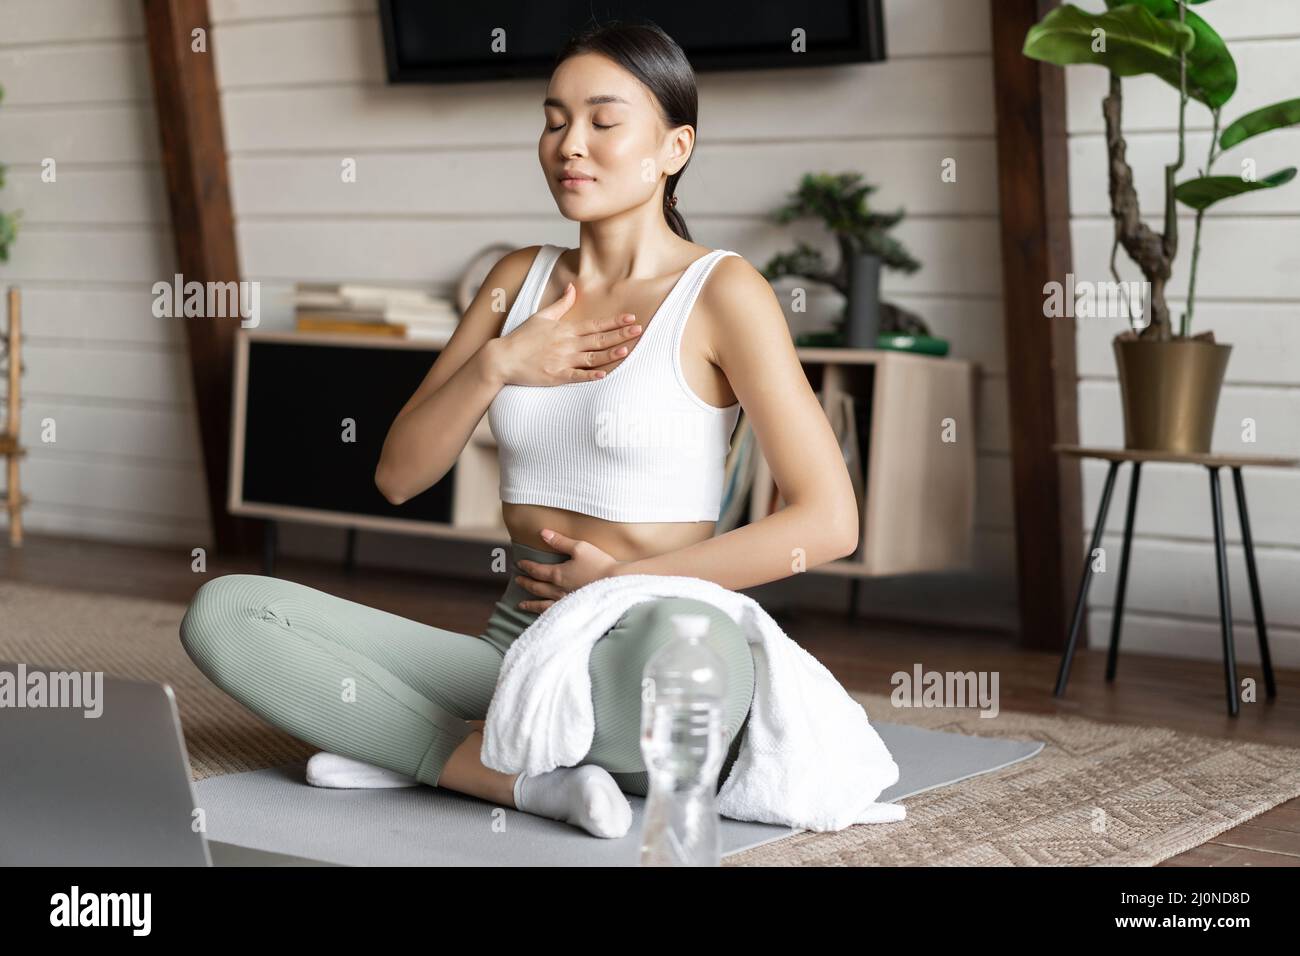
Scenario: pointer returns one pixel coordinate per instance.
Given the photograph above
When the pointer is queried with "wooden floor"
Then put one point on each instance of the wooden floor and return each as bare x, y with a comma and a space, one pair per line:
1152, 691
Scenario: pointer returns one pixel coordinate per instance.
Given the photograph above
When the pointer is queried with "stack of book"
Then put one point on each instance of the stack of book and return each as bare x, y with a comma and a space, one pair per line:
374, 310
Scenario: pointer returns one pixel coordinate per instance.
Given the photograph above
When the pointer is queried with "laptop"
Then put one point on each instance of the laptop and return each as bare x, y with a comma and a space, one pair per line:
95, 773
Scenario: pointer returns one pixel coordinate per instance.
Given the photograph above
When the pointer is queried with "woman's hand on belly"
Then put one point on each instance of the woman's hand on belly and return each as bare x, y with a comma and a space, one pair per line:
550, 582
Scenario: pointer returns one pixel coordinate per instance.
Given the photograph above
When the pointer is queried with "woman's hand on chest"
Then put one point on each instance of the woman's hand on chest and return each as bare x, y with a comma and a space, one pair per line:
544, 350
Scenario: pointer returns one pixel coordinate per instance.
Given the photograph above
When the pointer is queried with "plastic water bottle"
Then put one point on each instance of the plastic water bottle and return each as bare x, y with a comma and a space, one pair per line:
682, 741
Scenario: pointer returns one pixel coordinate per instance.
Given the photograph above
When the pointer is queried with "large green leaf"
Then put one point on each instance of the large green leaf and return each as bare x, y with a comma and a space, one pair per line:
1211, 71
1207, 190
1286, 113
1136, 42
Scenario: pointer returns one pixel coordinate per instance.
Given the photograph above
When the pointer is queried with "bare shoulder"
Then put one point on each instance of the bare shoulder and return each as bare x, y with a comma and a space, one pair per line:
736, 274
499, 290
510, 270
737, 299
514, 265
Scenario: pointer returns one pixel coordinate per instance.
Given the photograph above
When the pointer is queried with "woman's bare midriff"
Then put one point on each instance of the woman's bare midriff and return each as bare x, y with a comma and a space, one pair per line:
622, 540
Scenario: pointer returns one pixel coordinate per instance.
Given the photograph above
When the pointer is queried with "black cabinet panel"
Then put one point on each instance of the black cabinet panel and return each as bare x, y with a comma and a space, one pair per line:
298, 398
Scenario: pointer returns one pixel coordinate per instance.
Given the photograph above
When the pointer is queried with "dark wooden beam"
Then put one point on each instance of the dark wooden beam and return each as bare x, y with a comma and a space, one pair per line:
194, 163
1042, 378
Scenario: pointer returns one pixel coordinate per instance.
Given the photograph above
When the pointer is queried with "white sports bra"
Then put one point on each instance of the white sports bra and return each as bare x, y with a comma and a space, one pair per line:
636, 445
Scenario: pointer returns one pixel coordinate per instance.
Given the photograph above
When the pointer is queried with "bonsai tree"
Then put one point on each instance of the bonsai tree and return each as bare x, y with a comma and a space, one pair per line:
8, 221
1165, 39
840, 201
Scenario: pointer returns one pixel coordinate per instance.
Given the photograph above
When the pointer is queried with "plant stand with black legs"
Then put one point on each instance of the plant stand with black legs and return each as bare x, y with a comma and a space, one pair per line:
1212, 463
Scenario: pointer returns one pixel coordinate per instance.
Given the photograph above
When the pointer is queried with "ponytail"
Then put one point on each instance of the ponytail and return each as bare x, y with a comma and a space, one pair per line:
674, 219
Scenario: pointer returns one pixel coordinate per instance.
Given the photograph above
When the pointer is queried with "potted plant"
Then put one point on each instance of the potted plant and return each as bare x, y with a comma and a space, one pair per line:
1169, 379
865, 248
8, 221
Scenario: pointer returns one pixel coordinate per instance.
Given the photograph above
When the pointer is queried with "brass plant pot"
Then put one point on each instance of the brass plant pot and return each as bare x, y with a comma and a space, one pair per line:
1170, 392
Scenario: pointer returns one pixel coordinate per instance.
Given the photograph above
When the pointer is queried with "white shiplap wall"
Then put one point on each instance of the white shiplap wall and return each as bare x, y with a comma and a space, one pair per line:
444, 170
126, 463
1248, 292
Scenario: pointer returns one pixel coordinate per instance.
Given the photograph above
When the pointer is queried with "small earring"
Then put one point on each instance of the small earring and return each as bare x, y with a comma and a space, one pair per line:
672, 203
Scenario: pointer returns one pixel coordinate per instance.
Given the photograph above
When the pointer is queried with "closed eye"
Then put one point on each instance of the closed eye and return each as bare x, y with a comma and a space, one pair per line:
597, 125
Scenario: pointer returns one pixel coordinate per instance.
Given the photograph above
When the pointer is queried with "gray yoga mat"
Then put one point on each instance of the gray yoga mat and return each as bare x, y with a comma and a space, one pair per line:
275, 810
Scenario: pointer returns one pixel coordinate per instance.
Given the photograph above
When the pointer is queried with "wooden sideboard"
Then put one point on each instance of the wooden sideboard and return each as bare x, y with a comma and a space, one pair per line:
296, 392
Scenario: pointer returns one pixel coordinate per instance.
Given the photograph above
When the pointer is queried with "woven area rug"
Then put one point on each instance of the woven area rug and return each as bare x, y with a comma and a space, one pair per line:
1105, 794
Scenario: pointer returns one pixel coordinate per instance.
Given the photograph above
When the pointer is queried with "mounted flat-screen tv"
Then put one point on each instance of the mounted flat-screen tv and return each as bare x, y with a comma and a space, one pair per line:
461, 42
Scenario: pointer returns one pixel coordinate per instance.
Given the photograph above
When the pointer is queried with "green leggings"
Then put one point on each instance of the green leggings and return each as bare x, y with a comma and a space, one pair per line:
368, 684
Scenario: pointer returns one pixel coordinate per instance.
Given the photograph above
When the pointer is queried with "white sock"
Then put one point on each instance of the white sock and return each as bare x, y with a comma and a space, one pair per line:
343, 773
586, 796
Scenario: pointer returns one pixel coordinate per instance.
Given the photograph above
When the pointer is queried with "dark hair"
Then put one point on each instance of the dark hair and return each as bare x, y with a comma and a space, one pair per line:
654, 58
